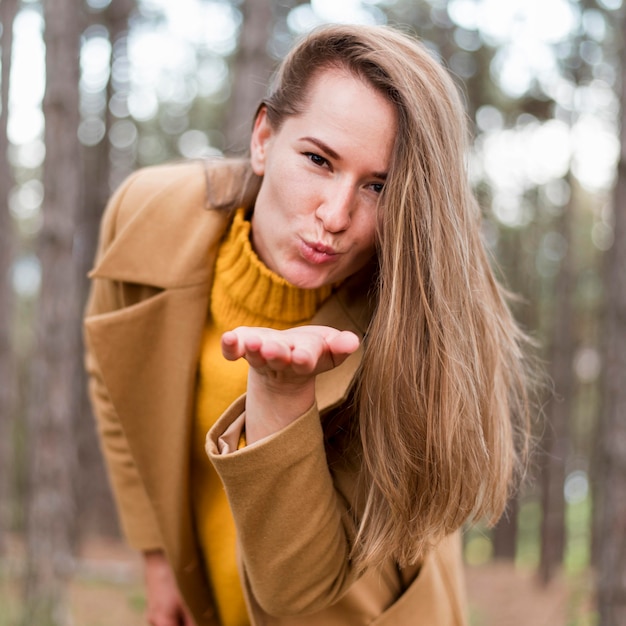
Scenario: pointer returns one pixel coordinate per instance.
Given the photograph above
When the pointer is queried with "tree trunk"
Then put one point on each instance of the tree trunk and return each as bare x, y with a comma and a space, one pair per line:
505, 532
252, 71
612, 549
96, 508
555, 440
51, 413
518, 267
8, 10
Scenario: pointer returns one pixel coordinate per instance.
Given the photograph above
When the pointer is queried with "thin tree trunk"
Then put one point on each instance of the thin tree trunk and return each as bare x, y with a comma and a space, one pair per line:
96, 509
252, 71
512, 257
505, 532
52, 448
612, 549
8, 10
556, 436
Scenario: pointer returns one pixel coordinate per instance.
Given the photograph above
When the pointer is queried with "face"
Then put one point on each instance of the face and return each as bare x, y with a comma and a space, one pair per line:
314, 220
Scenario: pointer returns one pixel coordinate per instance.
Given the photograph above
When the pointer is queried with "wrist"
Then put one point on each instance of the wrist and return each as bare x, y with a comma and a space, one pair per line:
273, 405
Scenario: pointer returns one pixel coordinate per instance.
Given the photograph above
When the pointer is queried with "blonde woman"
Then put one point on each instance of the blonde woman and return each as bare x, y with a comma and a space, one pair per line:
326, 312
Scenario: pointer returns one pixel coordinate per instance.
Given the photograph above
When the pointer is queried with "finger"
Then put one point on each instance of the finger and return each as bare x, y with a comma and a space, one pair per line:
303, 363
324, 351
338, 341
343, 343
235, 343
277, 354
252, 352
309, 354
232, 347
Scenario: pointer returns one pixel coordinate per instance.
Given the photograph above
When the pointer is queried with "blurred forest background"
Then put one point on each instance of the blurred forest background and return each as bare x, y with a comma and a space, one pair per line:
93, 89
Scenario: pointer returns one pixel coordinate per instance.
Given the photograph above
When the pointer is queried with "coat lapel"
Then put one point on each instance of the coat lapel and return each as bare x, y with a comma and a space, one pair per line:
149, 371
147, 351
164, 242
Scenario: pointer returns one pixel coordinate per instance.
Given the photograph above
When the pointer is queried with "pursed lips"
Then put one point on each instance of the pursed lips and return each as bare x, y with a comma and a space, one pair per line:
319, 252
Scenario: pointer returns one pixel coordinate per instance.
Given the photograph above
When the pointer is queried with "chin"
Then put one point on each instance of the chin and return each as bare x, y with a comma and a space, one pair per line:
308, 282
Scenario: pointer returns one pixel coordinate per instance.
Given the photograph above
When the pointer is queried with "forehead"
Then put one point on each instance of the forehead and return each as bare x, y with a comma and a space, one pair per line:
349, 116
341, 95
327, 78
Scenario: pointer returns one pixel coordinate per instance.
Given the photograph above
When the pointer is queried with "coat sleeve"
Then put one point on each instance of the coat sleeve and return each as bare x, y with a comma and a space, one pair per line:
294, 529
134, 508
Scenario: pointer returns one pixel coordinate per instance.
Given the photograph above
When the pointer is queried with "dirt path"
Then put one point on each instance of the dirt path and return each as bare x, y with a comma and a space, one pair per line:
107, 590
501, 595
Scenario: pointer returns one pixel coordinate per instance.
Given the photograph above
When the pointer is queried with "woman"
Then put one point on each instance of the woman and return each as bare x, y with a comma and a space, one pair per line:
326, 311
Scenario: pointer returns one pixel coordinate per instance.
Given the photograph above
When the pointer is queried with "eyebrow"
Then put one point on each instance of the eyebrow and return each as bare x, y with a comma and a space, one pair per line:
333, 155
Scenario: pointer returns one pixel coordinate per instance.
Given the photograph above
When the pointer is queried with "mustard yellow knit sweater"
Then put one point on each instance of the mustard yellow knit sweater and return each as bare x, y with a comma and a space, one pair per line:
244, 293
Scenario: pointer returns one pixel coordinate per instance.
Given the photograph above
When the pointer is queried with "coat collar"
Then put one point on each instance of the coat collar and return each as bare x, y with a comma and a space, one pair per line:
163, 230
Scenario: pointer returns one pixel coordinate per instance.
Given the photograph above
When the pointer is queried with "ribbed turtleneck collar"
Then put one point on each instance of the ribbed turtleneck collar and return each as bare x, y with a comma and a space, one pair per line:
247, 293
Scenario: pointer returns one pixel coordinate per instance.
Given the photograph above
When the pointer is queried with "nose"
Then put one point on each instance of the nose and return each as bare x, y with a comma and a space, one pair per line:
335, 209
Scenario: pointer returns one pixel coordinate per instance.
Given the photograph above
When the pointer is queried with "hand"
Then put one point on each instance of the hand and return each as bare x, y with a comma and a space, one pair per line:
165, 606
283, 367
293, 355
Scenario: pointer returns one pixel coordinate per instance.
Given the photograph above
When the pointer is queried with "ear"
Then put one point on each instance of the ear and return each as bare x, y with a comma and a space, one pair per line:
262, 132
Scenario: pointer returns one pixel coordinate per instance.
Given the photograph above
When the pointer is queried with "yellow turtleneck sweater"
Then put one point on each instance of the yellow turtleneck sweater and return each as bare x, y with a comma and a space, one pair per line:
244, 293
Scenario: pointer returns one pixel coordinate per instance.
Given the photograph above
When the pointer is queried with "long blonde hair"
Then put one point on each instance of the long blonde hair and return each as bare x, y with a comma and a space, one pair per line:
441, 395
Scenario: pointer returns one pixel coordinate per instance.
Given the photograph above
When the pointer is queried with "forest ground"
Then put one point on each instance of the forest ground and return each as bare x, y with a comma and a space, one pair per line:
107, 590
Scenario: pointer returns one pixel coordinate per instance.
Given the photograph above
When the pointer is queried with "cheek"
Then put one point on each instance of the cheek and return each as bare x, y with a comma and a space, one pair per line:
280, 187
368, 231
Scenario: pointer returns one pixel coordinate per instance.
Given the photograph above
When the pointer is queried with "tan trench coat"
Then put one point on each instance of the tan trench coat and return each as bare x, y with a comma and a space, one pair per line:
143, 327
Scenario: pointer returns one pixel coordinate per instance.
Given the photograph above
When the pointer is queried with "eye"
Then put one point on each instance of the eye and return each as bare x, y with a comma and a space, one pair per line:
377, 187
316, 159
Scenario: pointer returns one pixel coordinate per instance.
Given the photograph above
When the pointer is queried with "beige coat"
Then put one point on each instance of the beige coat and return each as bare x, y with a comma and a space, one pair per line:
290, 496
